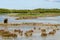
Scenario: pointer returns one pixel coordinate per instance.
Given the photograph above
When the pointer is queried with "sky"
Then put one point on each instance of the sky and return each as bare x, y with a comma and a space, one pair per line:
29, 4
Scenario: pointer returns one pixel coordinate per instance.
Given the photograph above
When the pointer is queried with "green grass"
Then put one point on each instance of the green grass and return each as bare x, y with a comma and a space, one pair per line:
31, 15
38, 14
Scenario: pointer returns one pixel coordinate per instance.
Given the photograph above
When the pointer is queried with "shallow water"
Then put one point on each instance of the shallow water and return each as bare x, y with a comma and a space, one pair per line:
36, 35
52, 20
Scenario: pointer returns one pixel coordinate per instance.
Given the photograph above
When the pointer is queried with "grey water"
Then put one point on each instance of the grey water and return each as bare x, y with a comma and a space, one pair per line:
36, 35
51, 20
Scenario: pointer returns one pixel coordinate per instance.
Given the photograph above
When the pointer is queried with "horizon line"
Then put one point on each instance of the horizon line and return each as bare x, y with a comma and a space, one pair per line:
29, 8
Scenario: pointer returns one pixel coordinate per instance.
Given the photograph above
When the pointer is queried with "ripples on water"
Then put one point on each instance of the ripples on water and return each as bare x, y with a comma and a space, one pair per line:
52, 20
36, 36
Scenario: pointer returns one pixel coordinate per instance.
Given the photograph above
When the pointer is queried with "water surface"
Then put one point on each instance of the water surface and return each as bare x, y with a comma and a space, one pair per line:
36, 35
52, 20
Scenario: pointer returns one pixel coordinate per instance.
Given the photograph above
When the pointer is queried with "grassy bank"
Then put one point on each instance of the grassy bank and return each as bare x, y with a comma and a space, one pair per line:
30, 14
33, 15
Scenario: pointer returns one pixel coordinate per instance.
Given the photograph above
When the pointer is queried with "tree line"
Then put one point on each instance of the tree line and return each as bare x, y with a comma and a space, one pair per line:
39, 10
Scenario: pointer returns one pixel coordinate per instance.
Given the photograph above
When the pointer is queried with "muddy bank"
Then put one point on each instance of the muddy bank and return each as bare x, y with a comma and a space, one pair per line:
29, 24
27, 17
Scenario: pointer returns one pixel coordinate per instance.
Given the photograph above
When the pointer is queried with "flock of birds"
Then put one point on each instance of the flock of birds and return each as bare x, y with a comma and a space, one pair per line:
28, 33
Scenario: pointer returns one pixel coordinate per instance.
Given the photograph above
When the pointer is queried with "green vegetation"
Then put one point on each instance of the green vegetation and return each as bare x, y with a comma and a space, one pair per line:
39, 10
31, 13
